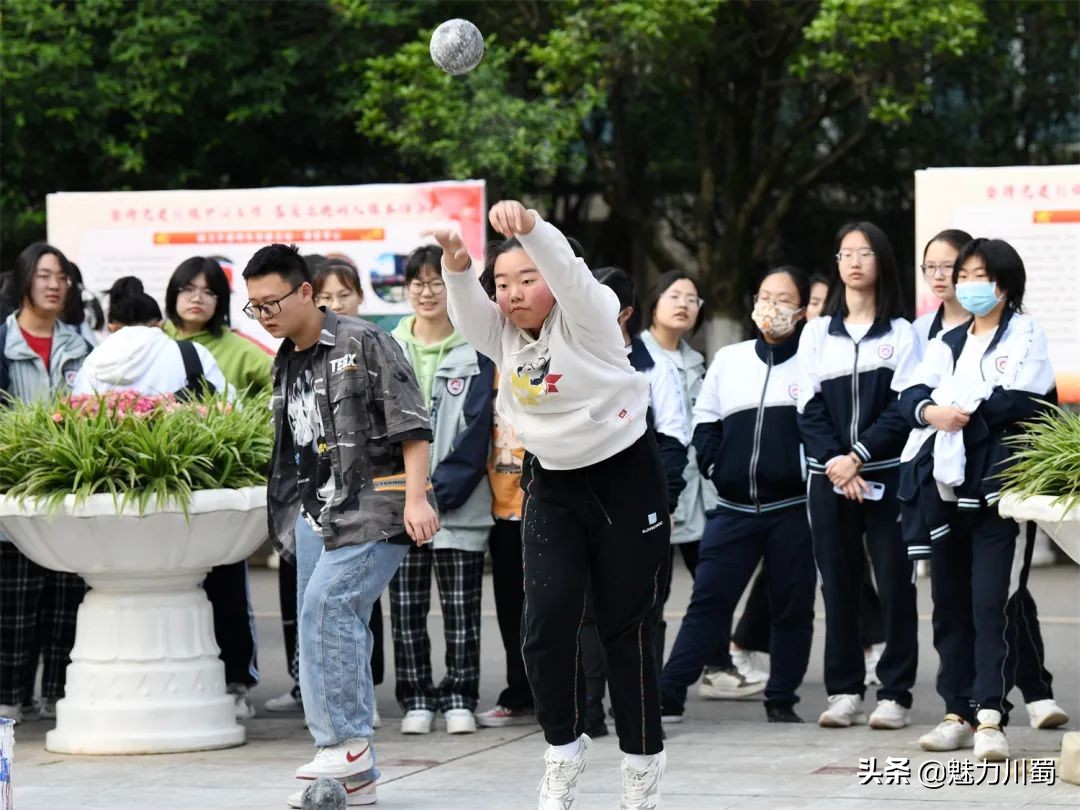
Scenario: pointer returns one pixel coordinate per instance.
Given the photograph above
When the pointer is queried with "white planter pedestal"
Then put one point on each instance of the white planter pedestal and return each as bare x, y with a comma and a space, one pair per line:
1063, 525
145, 676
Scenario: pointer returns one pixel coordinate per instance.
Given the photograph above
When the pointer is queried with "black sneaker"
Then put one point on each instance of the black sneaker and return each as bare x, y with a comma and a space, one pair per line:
669, 714
781, 713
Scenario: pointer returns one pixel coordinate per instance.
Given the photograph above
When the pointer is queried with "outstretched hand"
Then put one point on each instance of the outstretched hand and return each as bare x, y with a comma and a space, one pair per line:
511, 218
455, 255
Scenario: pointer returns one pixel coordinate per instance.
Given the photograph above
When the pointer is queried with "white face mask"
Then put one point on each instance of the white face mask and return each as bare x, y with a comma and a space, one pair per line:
774, 320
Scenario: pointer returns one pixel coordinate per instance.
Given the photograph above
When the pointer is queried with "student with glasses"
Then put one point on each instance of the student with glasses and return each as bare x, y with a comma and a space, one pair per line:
39, 358
939, 256
458, 386
197, 300
351, 440
854, 362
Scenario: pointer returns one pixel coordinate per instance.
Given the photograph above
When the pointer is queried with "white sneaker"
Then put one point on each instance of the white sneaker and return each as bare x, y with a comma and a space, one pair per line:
339, 761
951, 734
376, 718
990, 742
358, 793
843, 711
1042, 713
417, 721
460, 721
721, 684
641, 788
871, 658
244, 709
284, 703
11, 712
889, 715
558, 788
749, 665
499, 716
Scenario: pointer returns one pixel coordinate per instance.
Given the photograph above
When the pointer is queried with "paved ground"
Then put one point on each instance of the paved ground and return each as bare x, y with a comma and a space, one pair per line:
725, 754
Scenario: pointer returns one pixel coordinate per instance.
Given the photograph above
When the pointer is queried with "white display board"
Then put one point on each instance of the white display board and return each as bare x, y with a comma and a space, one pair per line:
149, 233
1036, 209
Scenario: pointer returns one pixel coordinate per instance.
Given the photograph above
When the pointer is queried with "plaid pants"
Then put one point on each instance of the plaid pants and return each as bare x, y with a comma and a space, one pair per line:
460, 577
37, 617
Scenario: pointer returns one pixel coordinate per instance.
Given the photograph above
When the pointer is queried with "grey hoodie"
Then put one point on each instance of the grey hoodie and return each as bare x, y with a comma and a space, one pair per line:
30, 379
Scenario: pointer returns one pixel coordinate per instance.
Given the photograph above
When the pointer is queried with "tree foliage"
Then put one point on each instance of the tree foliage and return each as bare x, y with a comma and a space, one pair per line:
717, 135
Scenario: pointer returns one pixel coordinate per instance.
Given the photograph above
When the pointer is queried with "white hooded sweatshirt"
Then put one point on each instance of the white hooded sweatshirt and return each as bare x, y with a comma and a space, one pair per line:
143, 359
570, 393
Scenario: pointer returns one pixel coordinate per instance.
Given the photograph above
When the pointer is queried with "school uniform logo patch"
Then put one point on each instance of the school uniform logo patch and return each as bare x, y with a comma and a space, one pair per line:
793, 391
455, 386
1000, 362
885, 351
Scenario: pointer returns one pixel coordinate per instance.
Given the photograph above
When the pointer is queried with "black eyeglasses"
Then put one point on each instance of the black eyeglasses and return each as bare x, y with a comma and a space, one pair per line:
270, 308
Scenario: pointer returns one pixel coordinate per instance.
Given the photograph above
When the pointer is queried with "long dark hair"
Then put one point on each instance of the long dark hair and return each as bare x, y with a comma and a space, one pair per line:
648, 308
888, 300
216, 281
22, 275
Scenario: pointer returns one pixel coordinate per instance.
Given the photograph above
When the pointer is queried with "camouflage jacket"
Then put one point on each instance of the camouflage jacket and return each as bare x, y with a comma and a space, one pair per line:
369, 402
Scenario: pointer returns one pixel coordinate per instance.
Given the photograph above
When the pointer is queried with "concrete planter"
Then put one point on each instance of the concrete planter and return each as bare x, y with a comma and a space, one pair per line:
1063, 525
145, 676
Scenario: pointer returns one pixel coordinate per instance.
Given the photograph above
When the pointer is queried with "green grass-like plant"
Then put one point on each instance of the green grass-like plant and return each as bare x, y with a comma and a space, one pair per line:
138, 449
1047, 458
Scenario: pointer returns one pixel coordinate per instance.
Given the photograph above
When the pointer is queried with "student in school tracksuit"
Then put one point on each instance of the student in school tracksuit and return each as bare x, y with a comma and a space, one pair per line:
458, 387
747, 439
1027, 657
854, 363
595, 514
970, 394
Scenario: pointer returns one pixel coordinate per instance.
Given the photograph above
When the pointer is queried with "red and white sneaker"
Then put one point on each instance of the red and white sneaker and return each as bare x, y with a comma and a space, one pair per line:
340, 761
358, 793
500, 716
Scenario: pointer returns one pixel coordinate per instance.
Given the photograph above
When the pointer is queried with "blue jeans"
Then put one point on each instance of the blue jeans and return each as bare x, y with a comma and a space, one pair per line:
336, 590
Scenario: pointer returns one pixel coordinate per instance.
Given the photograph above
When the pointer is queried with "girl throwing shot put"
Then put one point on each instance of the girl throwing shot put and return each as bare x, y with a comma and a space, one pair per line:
595, 513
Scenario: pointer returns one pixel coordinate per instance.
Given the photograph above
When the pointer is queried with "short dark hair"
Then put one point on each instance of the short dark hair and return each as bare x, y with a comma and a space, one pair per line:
22, 276
888, 301
285, 260
216, 281
819, 278
951, 236
129, 305
497, 249
1003, 266
620, 281
661, 287
798, 276
423, 256
342, 271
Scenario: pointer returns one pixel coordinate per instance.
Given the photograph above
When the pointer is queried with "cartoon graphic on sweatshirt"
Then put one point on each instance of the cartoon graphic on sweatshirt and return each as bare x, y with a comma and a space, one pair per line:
531, 381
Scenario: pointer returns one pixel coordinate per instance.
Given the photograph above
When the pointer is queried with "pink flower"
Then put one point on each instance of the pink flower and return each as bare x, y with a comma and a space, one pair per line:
58, 417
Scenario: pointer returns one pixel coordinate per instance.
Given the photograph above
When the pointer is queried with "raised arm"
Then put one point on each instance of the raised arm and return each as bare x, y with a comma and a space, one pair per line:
473, 314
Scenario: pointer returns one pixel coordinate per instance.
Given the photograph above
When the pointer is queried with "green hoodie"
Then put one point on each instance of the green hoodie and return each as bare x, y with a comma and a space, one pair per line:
244, 364
425, 359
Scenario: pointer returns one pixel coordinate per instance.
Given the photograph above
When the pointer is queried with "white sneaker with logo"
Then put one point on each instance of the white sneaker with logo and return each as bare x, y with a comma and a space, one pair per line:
358, 793
348, 758
750, 666
558, 789
951, 734
641, 786
417, 721
1046, 714
723, 684
843, 711
889, 715
990, 742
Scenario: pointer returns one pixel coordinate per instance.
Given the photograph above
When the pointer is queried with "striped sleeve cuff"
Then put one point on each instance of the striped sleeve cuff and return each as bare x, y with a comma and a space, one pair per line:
860, 450
919, 409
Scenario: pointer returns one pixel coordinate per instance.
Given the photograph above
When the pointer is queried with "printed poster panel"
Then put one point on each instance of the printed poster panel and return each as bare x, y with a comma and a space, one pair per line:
148, 233
1036, 209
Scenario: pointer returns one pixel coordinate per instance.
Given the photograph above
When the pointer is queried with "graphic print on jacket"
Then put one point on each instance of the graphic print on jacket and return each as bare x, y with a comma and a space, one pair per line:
746, 432
531, 381
848, 391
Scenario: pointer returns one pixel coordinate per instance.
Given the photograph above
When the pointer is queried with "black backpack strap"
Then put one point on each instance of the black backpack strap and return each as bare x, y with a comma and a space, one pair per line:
5, 374
196, 384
